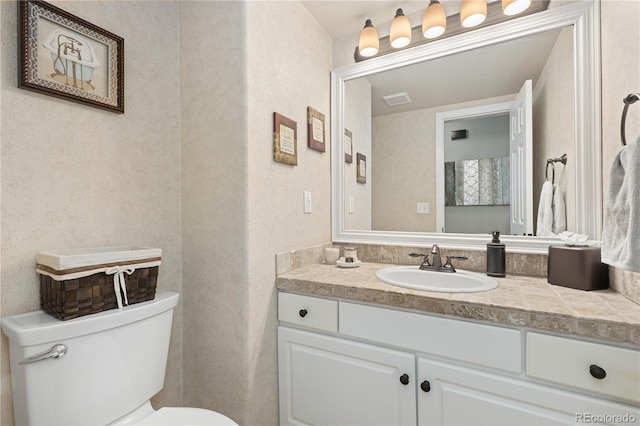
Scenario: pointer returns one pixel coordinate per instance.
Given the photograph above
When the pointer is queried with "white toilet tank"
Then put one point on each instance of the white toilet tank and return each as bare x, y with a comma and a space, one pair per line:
114, 362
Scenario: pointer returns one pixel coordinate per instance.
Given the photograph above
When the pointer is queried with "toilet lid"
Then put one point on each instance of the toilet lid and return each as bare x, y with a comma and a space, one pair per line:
186, 416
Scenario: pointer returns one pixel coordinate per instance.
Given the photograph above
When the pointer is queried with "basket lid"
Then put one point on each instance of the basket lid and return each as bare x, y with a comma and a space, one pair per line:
75, 258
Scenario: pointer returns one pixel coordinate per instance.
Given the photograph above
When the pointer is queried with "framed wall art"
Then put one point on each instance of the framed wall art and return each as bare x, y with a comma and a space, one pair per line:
65, 56
315, 129
285, 140
348, 147
361, 167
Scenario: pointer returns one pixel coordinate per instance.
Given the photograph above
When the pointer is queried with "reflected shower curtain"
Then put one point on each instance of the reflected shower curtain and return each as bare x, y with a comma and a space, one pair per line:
477, 182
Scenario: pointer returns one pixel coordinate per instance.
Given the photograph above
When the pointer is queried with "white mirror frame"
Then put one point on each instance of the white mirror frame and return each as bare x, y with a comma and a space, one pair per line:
585, 17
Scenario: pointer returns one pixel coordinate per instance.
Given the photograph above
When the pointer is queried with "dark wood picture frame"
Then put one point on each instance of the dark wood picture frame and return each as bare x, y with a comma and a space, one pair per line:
285, 140
315, 129
361, 168
67, 57
348, 146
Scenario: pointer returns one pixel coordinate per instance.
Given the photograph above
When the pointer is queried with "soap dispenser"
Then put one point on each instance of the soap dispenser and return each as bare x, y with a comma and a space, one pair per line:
496, 266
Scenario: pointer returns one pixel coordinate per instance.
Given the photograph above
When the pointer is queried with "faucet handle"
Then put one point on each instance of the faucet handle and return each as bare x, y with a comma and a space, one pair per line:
419, 254
456, 257
423, 255
448, 264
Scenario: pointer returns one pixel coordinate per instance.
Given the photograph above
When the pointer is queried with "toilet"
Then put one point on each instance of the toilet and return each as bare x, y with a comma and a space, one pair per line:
99, 369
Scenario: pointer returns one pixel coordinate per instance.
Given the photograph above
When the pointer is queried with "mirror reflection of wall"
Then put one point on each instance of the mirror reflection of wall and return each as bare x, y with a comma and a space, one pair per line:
357, 119
401, 158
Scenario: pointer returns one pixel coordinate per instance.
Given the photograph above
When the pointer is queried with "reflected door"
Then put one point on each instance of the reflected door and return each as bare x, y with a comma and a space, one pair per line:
521, 148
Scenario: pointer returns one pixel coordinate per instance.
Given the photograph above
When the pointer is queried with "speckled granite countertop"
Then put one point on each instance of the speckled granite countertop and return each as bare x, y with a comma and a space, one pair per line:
518, 301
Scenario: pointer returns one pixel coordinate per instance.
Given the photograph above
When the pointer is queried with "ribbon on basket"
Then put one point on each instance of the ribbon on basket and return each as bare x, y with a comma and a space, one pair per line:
119, 282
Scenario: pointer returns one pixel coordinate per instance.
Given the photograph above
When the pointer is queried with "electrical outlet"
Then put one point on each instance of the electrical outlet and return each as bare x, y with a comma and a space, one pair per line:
351, 205
423, 208
307, 202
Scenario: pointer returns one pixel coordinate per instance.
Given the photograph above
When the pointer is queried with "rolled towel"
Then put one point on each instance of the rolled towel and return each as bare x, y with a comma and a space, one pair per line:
621, 230
545, 211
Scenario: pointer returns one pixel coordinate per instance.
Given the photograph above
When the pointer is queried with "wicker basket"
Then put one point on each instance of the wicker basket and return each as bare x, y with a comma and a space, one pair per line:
76, 283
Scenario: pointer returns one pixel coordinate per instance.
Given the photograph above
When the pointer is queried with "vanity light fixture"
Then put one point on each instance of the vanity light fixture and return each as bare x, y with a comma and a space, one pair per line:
400, 33
369, 42
513, 7
473, 12
434, 21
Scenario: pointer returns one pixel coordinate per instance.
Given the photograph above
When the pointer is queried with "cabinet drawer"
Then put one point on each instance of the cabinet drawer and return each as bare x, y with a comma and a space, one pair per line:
479, 344
569, 362
312, 312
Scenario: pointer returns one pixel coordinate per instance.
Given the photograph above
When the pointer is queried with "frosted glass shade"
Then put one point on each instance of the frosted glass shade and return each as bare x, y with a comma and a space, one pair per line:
513, 7
473, 12
400, 33
434, 21
369, 42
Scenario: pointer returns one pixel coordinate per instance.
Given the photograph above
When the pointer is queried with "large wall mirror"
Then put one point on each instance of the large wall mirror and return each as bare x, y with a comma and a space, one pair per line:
436, 122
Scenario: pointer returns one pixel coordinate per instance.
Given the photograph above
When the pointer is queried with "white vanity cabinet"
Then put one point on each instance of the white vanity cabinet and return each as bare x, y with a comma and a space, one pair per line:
359, 364
331, 381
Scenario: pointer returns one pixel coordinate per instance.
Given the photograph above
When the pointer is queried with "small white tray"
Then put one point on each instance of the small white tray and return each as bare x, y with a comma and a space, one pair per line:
341, 263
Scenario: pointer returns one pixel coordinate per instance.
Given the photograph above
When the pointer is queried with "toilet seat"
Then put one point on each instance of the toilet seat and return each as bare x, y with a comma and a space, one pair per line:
186, 416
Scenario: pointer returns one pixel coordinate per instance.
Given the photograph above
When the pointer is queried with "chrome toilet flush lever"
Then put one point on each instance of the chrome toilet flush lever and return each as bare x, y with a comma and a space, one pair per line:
57, 351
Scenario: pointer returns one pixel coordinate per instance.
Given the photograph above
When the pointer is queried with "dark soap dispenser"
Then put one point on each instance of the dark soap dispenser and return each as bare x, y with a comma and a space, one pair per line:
496, 266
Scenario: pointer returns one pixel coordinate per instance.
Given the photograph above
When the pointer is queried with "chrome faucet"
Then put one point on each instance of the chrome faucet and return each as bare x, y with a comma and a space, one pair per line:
436, 261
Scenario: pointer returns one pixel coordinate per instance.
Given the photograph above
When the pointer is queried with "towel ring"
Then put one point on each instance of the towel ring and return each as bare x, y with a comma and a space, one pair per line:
553, 162
631, 98
553, 171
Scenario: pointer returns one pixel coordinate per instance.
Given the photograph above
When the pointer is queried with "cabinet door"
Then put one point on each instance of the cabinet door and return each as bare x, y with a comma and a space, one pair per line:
462, 396
330, 381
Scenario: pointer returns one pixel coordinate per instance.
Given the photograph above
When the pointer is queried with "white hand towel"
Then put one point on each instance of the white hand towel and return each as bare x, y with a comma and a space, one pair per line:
545, 211
559, 211
621, 230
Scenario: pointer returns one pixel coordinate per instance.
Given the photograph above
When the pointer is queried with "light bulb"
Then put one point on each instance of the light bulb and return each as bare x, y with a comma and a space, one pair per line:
400, 33
473, 12
369, 42
434, 21
513, 7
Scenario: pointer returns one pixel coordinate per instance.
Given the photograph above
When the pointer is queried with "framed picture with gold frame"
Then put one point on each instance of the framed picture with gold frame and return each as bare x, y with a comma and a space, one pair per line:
361, 167
285, 140
315, 129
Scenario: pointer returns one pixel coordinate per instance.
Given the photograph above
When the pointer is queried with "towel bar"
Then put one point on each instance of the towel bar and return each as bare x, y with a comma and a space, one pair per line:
631, 98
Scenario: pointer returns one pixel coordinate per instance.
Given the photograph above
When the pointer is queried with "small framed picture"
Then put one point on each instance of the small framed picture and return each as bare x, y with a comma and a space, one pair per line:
315, 129
67, 57
362, 168
348, 147
285, 140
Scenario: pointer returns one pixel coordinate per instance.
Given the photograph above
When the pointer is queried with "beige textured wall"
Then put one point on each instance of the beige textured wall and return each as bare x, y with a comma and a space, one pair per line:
77, 176
214, 204
620, 76
554, 124
239, 206
289, 63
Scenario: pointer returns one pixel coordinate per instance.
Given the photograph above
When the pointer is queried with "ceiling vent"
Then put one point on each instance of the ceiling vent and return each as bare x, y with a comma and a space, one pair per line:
397, 99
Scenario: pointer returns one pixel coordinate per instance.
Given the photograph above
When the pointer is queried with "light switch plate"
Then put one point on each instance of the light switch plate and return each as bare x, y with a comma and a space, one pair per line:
307, 202
423, 208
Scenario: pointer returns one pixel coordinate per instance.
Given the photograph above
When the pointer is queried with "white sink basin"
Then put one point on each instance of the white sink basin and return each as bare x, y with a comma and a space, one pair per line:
447, 282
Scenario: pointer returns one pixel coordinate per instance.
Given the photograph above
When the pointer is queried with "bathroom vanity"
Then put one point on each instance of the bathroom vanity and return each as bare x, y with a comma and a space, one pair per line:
354, 350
